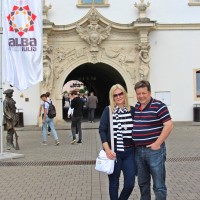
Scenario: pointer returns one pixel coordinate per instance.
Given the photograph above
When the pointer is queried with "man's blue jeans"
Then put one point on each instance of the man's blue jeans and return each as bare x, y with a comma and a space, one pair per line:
126, 163
151, 163
50, 123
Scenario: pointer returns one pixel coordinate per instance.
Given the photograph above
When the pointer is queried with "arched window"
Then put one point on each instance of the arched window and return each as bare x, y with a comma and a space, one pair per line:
89, 3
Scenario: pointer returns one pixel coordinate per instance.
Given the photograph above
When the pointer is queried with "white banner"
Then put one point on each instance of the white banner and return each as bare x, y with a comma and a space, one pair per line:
22, 38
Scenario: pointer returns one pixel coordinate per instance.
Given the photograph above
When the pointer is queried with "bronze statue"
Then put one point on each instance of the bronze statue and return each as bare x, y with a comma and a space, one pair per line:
10, 117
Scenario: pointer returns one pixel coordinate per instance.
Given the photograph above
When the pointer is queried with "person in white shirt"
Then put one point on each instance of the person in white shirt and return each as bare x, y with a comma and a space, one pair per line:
70, 110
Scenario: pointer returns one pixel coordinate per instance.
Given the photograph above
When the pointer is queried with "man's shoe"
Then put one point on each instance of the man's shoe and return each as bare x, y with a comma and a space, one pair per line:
79, 142
44, 143
73, 141
57, 142
48, 133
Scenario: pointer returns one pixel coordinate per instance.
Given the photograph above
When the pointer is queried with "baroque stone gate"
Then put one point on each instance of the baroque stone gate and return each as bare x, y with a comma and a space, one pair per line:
95, 39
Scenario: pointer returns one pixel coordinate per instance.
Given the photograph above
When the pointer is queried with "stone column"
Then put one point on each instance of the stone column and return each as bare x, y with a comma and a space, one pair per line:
59, 108
143, 25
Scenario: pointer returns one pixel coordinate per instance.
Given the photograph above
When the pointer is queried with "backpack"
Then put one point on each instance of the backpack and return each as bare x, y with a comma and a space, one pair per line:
51, 110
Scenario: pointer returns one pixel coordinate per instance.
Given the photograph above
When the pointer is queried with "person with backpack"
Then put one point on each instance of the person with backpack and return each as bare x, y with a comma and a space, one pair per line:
49, 114
40, 111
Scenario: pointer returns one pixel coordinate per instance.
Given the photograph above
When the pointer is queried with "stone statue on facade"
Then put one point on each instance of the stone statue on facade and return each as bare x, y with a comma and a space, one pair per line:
47, 83
10, 117
47, 74
45, 9
142, 10
144, 64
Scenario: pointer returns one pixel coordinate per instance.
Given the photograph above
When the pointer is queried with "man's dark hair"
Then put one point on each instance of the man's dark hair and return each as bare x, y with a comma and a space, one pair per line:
143, 84
74, 92
43, 95
48, 94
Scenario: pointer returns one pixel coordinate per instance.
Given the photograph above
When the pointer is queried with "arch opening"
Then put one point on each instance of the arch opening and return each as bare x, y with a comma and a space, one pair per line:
98, 78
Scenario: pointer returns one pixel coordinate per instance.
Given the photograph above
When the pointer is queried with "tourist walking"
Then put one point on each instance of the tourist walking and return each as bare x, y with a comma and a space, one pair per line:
49, 100
122, 114
91, 105
70, 112
47, 120
41, 110
152, 126
77, 106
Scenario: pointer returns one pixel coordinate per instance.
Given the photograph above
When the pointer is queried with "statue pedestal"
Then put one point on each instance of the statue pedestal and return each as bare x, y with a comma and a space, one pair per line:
10, 155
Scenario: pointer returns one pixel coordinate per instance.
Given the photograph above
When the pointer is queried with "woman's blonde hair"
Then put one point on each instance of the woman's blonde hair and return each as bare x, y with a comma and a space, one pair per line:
111, 98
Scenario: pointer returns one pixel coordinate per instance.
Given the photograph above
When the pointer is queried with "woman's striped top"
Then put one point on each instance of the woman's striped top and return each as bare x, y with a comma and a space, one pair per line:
122, 128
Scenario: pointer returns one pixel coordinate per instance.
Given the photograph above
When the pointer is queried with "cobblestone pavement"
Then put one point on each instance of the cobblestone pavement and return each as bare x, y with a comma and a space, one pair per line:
66, 172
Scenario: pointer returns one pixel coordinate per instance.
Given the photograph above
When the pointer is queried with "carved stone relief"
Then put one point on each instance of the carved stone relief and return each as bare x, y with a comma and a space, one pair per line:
126, 48
93, 34
127, 57
124, 55
62, 54
53, 59
144, 58
47, 83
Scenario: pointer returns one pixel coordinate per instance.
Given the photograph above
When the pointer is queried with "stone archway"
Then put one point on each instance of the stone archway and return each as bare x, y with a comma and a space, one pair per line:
98, 78
97, 41
117, 74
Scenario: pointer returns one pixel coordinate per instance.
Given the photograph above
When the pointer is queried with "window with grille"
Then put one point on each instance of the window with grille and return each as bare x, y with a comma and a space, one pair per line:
92, 1
198, 84
196, 77
194, 3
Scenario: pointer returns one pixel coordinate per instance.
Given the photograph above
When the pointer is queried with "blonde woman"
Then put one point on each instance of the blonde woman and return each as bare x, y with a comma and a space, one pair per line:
122, 114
